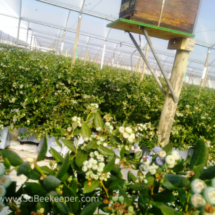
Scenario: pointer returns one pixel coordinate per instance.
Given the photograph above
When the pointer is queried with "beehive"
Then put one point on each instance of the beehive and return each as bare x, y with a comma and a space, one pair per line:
178, 15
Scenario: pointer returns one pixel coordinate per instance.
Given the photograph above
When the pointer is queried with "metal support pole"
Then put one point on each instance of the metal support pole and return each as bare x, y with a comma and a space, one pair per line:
159, 64
85, 57
77, 33
27, 34
205, 71
31, 41
147, 63
20, 13
103, 55
62, 44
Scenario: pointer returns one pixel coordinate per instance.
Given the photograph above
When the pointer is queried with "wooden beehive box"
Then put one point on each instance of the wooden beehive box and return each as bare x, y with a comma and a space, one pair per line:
178, 15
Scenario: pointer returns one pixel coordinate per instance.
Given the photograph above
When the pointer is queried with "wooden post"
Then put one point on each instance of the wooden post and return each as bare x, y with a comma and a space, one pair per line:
169, 108
144, 64
77, 33
205, 71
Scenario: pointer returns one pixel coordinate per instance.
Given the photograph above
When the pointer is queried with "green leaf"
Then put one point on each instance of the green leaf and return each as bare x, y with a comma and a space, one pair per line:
165, 196
62, 208
51, 182
173, 182
56, 155
110, 165
142, 204
64, 167
208, 173
45, 170
165, 209
13, 158
199, 159
114, 185
90, 209
91, 145
127, 202
43, 151
68, 192
139, 186
34, 189
105, 151
114, 141
85, 130
90, 119
138, 155
24, 169
90, 188
122, 152
168, 148
69, 144
58, 143
131, 177
7, 163
98, 121
80, 158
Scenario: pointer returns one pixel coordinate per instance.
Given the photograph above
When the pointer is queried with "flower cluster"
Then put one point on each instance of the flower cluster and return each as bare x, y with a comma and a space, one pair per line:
159, 158
128, 135
94, 167
118, 207
141, 178
77, 120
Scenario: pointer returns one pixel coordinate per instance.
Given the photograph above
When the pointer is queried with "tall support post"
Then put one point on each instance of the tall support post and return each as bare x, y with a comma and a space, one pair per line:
103, 55
85, 56
77, 33
169, 108
205, 71
57, 47
144, 64
31, 41
27, 34
20, 13
64, 33
114, 55
104, 48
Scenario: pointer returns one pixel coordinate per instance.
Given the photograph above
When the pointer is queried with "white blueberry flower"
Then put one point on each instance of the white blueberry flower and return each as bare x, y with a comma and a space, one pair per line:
94, 162
91, 154
101, 165
86, 139
21, 86
131, 139
132, 148
96, 177
85, 163
130, 209
145, 181
152, 170
69, 129
101, 139
94, 167
98, 128
115, 198
74, 119
126, 148
105, 144
176, 155
121, 129
170, 160
162, 154
96, 153
100, 169
84, 169
125, 135
99, 142
128, 130
89, 165
107, 124
111, 128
